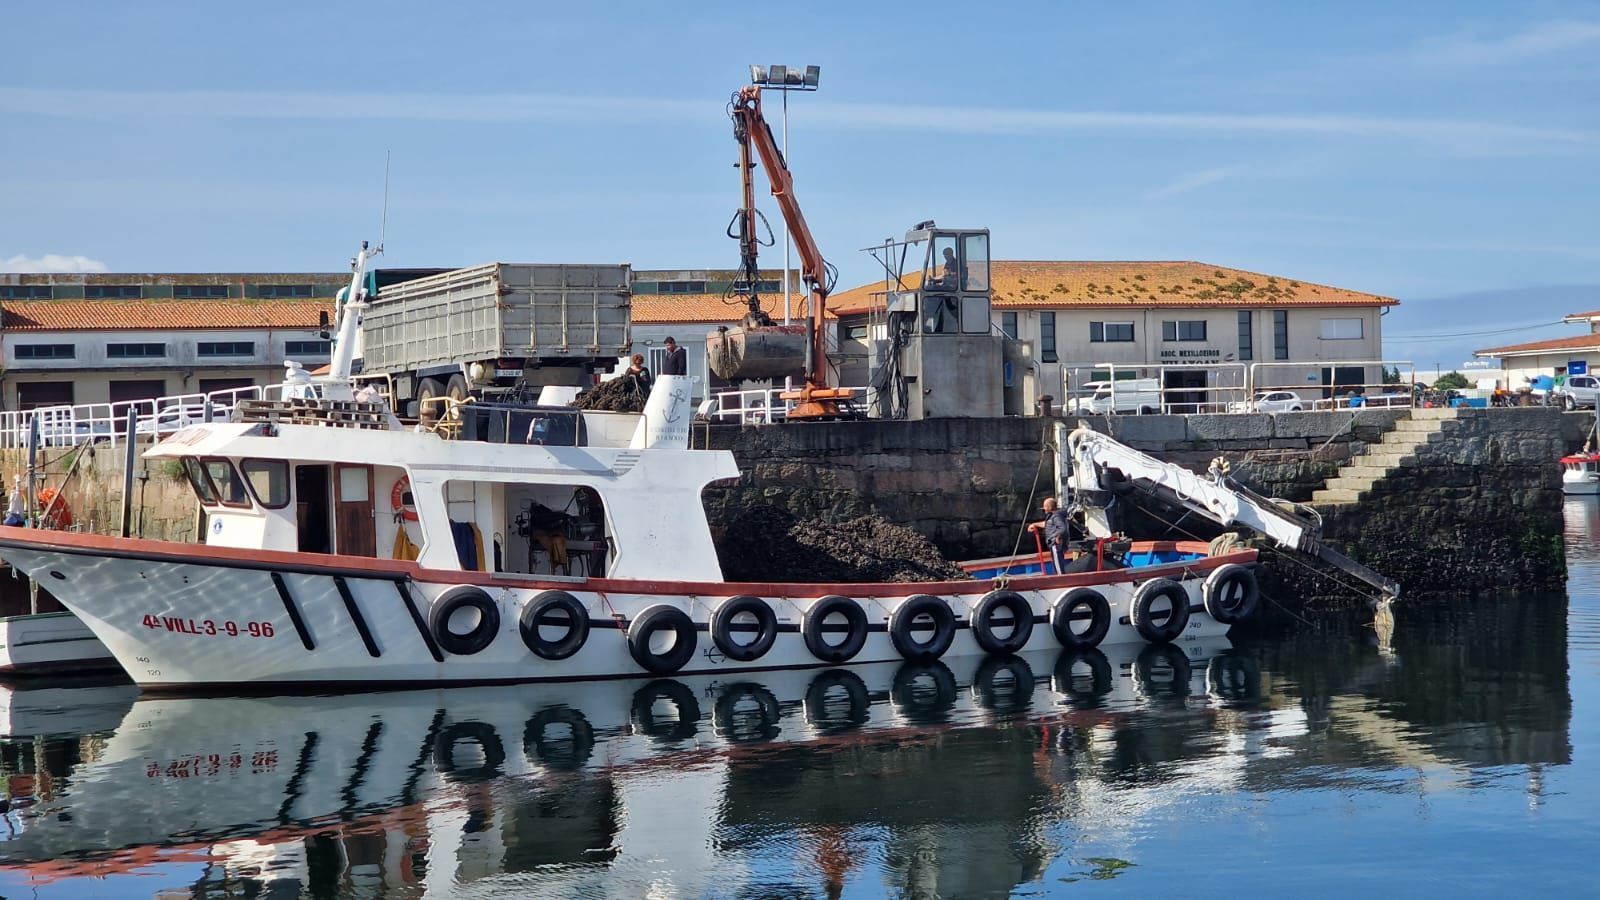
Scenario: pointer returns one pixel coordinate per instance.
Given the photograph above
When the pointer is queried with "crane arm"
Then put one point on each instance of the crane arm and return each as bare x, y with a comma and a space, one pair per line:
1088, 455
751, 128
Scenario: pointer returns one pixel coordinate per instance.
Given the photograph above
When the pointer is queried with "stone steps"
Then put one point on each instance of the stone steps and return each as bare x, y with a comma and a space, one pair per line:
1399, 448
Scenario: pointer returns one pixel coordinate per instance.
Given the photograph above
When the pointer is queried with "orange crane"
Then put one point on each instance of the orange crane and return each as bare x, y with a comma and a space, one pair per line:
757, 348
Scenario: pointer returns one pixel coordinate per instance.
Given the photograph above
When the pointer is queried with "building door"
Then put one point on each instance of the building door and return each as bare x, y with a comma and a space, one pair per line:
34, 394
355, 530
144, 389
1340, 380
208, 385
312, 512
1177, 395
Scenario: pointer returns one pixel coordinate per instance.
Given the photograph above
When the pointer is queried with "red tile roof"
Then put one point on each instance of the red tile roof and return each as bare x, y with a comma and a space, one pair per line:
1023, 284
712, 309
141, 315
1580, 342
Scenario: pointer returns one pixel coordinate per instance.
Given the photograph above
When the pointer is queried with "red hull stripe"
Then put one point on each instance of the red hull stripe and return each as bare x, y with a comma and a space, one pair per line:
80, 544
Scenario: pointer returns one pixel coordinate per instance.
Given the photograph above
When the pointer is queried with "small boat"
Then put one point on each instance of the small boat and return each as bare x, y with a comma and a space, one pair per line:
39, 643
343, 549
1580, 473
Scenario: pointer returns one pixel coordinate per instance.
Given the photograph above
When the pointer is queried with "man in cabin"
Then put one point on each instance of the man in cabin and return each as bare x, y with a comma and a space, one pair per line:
1055, 532
677, 361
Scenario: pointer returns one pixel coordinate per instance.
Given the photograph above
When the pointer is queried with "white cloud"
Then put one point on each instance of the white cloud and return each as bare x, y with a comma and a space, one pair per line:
1456, 135
51, 262
1537, 41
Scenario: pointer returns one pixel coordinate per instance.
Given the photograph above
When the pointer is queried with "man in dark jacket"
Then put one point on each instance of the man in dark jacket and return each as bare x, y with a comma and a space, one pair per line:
677, 361
1055, 527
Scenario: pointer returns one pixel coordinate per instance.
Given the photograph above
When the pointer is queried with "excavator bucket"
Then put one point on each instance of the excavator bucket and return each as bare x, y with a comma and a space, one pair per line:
746, 352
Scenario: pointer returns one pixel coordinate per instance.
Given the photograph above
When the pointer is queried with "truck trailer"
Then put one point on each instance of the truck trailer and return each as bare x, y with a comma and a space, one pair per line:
495, 330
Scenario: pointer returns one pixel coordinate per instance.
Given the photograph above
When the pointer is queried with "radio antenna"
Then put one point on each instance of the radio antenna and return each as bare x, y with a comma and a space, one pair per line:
383, 226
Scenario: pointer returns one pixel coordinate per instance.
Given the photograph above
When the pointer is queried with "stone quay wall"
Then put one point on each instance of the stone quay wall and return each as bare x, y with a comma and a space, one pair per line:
164, 507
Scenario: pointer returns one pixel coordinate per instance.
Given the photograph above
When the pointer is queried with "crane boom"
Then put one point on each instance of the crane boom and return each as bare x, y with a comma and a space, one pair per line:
750, 129
1085, 456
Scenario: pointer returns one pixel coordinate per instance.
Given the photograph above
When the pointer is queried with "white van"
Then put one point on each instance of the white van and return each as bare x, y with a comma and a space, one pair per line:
1134, 395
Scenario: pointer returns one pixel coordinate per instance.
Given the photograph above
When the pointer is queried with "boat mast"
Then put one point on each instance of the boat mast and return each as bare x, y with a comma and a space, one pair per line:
350, 313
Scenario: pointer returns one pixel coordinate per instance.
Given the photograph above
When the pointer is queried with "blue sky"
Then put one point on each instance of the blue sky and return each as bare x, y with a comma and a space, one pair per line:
1418, 150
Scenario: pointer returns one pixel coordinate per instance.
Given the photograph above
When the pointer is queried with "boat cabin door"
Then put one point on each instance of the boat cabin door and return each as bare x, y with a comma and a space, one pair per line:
355, 529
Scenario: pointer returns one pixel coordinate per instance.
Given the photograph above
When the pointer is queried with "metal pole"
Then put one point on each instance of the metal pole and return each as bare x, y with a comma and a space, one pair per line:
31, 489
130, 458
786, 310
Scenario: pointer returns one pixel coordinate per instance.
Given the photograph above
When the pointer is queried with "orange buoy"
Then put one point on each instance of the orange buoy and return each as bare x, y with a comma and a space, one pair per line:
60, 514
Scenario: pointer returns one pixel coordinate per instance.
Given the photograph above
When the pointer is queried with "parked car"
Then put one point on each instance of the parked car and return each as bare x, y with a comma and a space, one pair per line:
171, 419
1135, 395
1580, 391
1269, 402
66, 432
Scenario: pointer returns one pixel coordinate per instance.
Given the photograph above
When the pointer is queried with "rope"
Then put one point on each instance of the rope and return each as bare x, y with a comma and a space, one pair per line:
1044, 451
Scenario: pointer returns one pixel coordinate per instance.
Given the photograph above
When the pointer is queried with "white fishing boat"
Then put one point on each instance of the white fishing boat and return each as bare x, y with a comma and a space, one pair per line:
541, 544
1580, 473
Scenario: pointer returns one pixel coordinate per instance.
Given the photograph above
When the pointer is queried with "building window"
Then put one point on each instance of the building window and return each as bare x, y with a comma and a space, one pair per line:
685, 287
1247, 339
135, 351
1047, 337
113, 291
26, 292
308, 348
1341, 330
1184, 330
1008, 324
1110, 332
226, 348
284, 291
1280, 334
46, 351
200, 291
853, 332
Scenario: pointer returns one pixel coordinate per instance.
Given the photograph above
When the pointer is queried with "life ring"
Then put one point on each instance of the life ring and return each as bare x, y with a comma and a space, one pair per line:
723, 625
924, 693
1230, 593
1075, 606
733, 717
1020, 619
1144, 618
480, 733
903, 622
994, 694
815, 625
537, 614
60, 515
555, 752
645, 626
682, 726
1083, 689
397, 500
824, 712
452, 602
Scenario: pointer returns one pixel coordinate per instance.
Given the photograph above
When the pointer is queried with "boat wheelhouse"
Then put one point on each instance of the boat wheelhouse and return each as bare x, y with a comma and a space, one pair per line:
1580, 473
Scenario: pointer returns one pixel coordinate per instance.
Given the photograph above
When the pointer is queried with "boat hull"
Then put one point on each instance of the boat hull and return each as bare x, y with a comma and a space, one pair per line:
180, 616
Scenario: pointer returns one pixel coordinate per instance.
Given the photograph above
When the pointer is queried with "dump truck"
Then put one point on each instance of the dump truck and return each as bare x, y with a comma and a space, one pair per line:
494, 331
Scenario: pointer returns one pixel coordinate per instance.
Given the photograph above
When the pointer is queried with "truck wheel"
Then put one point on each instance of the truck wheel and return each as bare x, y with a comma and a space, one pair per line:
457, 389
428, 408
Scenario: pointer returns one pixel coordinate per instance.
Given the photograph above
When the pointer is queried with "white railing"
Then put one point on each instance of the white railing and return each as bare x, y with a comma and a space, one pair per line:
1232, 387
761, 406
107, 423
1305, 380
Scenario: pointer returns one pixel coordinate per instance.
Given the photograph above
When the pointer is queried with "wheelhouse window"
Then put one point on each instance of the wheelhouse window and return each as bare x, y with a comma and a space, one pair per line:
268, 480
200, 481
229, 486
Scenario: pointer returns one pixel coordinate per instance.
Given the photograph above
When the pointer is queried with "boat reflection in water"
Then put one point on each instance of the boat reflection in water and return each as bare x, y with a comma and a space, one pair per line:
955, 780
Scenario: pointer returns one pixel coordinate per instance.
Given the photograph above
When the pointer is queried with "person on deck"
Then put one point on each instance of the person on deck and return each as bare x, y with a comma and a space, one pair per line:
639, 374
1055, 527
677, 361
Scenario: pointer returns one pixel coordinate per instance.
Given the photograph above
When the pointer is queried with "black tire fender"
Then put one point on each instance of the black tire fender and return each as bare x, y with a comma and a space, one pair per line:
1231, 593
538, 744
1073, 606
722, 628
644, 627
820, 709
902, 624
1144, 620
813, 627
533, 615
480, 733
452, 601
983, 624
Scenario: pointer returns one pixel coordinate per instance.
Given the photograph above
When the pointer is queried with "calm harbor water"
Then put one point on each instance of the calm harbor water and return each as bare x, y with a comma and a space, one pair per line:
1460, 759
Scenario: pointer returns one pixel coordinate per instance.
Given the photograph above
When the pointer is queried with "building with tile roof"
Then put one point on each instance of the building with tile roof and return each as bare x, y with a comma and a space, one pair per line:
1575, 355
106, 338
1169, 318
